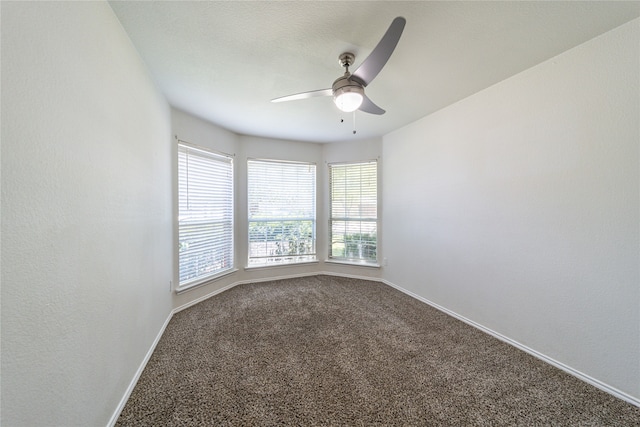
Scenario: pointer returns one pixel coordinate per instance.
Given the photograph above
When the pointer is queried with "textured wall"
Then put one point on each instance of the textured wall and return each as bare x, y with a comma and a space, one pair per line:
86, 213
518, 208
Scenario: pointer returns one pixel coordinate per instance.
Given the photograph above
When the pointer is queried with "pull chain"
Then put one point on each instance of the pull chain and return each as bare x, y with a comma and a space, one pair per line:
354, 122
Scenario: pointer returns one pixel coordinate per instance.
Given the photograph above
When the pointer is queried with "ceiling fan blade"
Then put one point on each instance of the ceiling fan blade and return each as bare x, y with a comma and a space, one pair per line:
371, 66
304, 95
369, 107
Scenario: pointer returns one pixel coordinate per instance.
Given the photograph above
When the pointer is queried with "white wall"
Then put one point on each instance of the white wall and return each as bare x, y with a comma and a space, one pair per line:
86, 213
518, 208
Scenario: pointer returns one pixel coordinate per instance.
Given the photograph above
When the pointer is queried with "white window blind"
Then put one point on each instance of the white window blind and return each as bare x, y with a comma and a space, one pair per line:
282, 212
353, 221
205, 214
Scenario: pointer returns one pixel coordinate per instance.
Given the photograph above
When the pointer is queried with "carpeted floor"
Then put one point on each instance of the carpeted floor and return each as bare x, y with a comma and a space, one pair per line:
343, 352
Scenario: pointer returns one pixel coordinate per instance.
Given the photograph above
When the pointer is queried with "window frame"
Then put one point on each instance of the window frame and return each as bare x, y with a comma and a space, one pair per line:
286, 259
224, 192
351, 260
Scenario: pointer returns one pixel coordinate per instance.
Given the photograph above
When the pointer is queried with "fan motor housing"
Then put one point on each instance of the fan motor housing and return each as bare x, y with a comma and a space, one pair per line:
344, 84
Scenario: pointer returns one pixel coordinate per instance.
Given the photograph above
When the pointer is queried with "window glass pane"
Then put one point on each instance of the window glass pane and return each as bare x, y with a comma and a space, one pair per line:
205, 214
282, 212
354, 211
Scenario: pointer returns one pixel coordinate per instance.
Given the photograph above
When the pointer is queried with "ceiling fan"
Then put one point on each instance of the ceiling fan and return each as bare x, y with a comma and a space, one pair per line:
348, 90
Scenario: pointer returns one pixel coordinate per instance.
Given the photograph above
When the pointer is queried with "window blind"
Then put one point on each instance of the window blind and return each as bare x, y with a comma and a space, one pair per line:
282, 212
205, 213
353, 208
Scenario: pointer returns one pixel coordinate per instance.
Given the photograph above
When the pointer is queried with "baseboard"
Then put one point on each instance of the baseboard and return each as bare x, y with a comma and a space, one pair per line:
204, 297
350, 276
568, 369
272, 278
136, 377
240, 282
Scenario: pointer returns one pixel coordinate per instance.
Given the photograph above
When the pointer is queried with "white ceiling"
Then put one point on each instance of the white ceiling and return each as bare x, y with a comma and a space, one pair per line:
223, 61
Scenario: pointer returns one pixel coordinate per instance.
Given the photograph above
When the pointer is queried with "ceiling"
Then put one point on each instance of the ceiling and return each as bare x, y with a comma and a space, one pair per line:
224, 61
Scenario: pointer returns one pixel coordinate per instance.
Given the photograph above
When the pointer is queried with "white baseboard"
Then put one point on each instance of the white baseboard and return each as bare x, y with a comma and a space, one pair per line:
350, 276
240, 282
136, 377
270, 279
568, 369
204, 297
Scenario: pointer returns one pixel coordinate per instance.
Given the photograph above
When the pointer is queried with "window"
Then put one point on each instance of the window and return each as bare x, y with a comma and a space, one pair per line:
205, 214
353, 222
282, 212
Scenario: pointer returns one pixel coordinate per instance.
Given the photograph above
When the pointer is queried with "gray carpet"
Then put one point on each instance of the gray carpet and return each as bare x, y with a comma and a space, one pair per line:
343, 352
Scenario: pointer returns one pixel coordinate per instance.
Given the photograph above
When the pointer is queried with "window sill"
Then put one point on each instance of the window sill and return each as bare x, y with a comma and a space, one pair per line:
352, 263
205, 281
288, 264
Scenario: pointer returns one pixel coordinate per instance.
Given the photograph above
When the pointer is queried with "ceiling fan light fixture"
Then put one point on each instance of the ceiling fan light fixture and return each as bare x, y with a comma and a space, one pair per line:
348, 98
348, 90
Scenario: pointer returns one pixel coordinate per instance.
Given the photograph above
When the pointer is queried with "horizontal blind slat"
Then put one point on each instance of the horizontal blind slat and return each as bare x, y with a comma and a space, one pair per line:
205, 213
353, 207
281, 211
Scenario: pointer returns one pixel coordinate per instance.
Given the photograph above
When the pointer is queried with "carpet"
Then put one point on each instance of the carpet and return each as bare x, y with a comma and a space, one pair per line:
333, 351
